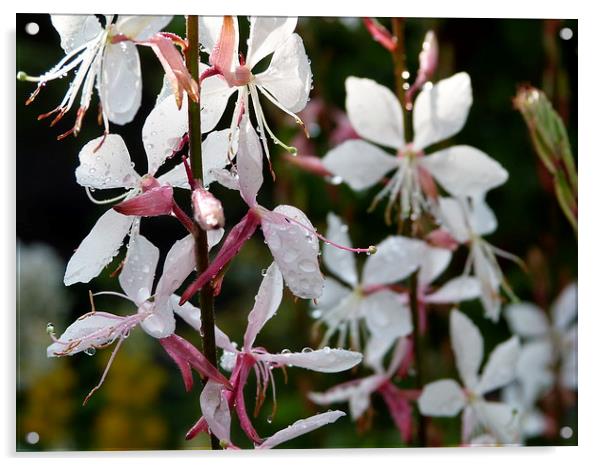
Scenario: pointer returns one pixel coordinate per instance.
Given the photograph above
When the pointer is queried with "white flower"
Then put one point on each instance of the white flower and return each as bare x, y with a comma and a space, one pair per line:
105, 57
533, 423
547, 342
342, 307
439, 113
286, 82
107, 165
447, 398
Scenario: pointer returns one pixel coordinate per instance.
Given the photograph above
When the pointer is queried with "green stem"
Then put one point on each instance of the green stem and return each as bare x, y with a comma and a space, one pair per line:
399, 66
201, 249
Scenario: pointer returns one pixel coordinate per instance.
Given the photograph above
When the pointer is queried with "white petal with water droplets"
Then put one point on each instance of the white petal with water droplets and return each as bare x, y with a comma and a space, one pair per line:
465, 170
301, 427
215, 409
396, 257
441, 398
75, 30
332, 295
467, 344
359, 163
93, 330
340, 262
215, 94
288, 77
441, 111
106, 166
141, 27
321, 360
267, 35
120, 82
98, 248
210, 28
267, 301
374, 112
249, 162
136, 277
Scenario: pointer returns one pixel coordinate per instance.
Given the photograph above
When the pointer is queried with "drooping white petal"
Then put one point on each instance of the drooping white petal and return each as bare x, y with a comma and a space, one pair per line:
396, 257
500, 369
467, 344
340, 262
564, 309
267, 35
141, 27
216, 411
464, 170
434, 262
288, 78
86, 332
249, 162
162, 132
374, 112
357, 393
454, 219
192, 316
321, 360
527, 320
359, 163
75, 30
136, 277
456, 290
120, 83
441, 111
386, 315
502, 421
441, 398
107, 166
267, 301
490, 283
295, 250
301, 427
98, 248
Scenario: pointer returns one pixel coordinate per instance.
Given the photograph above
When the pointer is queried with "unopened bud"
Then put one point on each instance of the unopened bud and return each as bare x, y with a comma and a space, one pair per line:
207, 210
429, 56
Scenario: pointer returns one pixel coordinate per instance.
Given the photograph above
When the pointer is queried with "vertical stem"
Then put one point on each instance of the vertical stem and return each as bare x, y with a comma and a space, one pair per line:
201, 249
399, 67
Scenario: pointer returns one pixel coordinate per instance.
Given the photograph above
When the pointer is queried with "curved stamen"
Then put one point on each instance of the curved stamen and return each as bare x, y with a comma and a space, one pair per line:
104, 201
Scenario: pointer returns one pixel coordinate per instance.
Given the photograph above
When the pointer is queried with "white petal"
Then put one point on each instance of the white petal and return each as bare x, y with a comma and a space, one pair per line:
465, 171
321, 360
502, 420
162, 132
215, 94
490, 295
359, 163
481, 218
121, 82
386, 315
75, 30
175, 177
357, 393
267, 35
527, 320
375, 350
467, 344
192, 316
440, 112
141, 27
215, 154
568, 368
374, 112
441, 398
301, 427
93, 330
295, 250
500, 369
564, 309
249, 162
288, 77
109, 167
210, 28
434, 262
216, 411
138, 273
267, 301
454, 219
396, 258
340, 262
457, 289
332, 295
98, 248
534, 369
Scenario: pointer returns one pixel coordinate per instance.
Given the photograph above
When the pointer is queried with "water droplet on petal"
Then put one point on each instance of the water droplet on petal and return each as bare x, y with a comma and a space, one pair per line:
90, 351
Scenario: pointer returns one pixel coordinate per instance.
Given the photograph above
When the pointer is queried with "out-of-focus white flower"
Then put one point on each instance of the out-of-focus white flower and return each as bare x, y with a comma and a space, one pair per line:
439, 113
447, 398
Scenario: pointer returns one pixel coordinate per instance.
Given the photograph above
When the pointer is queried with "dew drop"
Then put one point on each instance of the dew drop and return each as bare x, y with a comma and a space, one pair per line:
50, 328
269, 419
264, 272
307, 350
285, 351
90, 351
316, 313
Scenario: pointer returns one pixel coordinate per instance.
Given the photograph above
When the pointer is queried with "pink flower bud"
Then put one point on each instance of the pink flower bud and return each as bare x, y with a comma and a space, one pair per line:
429, 56
441, 238
208, 211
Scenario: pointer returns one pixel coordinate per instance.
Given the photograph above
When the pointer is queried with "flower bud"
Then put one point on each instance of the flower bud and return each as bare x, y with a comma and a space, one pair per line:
429, 56
207, 210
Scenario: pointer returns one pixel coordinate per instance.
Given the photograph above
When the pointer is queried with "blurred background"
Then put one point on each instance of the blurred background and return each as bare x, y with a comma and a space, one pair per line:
142, 404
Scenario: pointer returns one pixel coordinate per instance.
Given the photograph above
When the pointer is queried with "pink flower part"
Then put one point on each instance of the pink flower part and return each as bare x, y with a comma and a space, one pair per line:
152, 203
182, 351
380, 34
441, 238
428, 58
175, 68
309, 163
208, 211
400, 408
